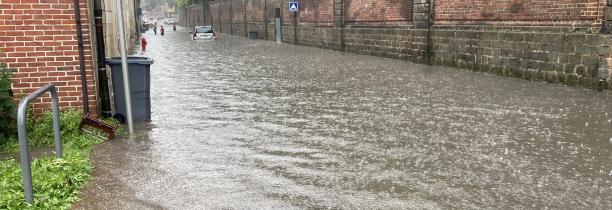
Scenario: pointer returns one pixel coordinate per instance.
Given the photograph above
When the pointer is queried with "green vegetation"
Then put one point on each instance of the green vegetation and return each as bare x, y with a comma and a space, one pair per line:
152, 4
184, 3
56, 182
7, 105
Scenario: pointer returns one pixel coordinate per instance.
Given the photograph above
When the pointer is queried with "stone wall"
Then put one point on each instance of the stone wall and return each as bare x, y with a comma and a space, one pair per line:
194, 16
524, 52
561, 42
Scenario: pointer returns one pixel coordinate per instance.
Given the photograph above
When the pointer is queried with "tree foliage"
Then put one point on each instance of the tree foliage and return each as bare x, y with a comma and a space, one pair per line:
8, 109
184, 3
152, 4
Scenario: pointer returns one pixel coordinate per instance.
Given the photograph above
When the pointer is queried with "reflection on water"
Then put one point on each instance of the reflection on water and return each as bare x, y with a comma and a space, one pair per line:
249, 124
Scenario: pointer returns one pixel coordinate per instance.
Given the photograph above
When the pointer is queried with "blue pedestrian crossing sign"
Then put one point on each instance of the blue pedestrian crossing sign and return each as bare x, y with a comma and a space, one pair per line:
293, 6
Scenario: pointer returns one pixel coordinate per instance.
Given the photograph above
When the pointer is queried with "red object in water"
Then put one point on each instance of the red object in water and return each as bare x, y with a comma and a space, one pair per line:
143, 43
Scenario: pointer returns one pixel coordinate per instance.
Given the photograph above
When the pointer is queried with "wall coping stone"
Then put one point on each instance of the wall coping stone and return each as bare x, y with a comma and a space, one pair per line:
552, 29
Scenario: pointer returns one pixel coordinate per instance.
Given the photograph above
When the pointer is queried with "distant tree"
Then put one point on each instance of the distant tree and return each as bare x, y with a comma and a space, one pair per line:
151, 4
184, 3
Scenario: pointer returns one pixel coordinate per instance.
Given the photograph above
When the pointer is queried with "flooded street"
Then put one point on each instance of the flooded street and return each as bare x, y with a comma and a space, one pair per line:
245, 124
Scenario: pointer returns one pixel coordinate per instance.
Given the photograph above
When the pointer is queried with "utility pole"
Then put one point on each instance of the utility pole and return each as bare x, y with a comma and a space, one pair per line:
124, 66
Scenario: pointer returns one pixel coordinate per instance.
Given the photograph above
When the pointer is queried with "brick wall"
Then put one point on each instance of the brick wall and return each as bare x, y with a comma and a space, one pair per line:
225, 12
254, 10
283, 4
194, 16
214, 14
378, 12
237, 11
316, 12
38, 38
505, 37
548, 12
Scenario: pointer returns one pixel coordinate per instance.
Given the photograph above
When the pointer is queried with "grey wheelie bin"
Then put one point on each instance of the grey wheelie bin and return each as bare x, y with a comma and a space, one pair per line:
140, 87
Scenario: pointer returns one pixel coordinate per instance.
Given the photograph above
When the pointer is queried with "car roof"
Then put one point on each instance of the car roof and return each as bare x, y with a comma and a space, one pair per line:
203, 27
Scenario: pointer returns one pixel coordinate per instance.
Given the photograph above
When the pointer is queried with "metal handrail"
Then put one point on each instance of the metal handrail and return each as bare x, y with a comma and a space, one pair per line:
23, 134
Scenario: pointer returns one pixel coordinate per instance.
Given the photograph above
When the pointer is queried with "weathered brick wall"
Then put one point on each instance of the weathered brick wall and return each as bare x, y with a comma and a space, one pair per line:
238, 10
396, 43
605, 53
225, 12
194, 16
545, 12
378, 12
38, 39
214, 15
391, 43
283, 4
260, 28
465, 34
254, 10
316, 12
323, 37
532, 53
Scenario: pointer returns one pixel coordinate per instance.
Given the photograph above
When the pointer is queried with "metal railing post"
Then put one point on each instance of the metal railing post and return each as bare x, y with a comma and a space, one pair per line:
23, 135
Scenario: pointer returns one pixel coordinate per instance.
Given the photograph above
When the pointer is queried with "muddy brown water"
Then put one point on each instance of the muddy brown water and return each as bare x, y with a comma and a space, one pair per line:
245, 124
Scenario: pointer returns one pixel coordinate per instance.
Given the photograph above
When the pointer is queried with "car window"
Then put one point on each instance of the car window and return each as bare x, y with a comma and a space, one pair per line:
204, 30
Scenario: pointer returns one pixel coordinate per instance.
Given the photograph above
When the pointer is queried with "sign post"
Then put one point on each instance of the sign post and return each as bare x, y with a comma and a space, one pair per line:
293, 6
277, 25
124, 66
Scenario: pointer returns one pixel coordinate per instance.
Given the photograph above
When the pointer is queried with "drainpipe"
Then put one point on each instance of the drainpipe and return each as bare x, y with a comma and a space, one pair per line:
244, 19
294, 23
231, 19
265, 18
103, 90
429, 28
79, 30
277, 25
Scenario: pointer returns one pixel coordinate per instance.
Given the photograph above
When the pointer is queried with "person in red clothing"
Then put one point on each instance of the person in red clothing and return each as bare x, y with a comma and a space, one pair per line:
143, 44
161, 29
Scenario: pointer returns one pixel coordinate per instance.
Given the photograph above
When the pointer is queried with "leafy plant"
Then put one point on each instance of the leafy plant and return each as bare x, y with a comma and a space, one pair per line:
56, 182
184, 3
8, 110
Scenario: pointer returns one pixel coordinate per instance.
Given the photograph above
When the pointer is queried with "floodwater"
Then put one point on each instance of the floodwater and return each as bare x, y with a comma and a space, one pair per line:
245, 124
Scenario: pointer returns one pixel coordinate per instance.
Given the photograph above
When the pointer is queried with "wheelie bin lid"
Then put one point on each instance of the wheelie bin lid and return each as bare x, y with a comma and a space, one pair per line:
130, 60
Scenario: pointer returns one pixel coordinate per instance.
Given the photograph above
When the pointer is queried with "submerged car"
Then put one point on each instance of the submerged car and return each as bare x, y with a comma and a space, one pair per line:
203, 32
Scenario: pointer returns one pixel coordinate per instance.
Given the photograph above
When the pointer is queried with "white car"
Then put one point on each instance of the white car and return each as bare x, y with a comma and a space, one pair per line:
203, 32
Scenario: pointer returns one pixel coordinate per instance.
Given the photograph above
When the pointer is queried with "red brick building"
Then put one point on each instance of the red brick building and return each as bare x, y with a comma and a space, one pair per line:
38, 41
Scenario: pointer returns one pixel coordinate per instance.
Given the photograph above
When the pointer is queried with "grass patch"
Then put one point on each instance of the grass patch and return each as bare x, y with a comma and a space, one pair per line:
56, 182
